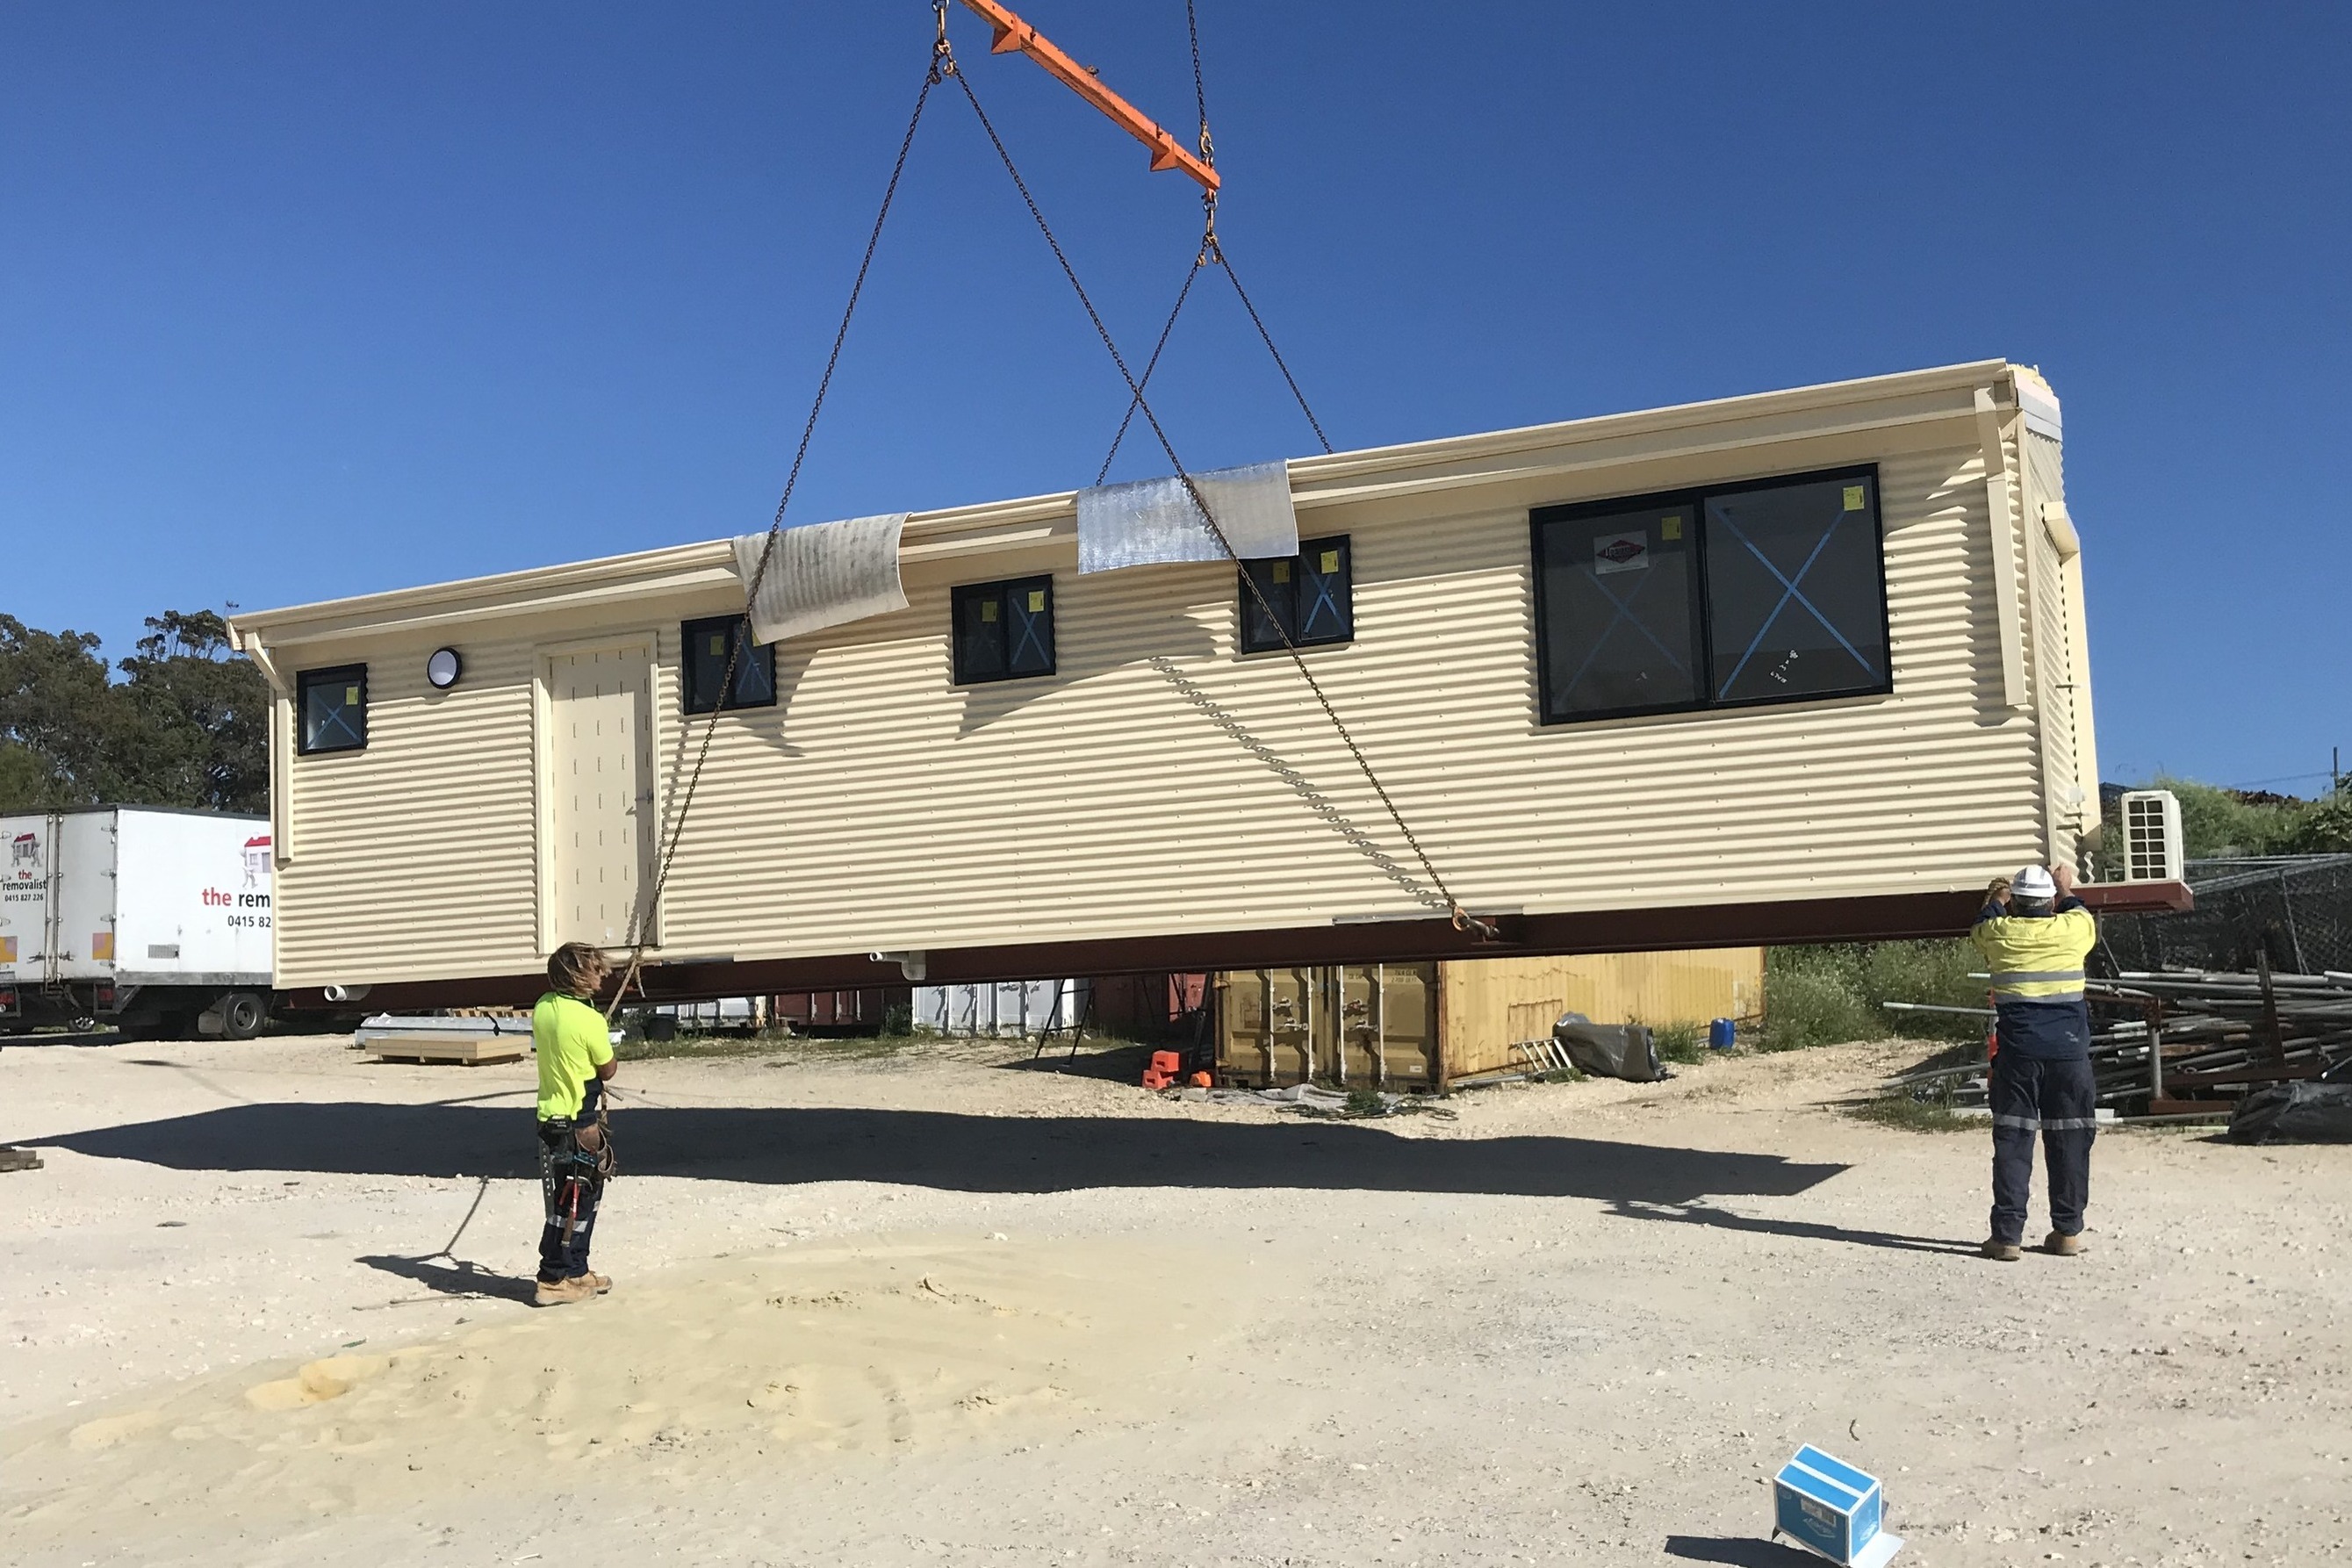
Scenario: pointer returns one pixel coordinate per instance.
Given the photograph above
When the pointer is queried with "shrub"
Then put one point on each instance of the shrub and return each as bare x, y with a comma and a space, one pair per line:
1810, 1000
1828, 994
1681, 1041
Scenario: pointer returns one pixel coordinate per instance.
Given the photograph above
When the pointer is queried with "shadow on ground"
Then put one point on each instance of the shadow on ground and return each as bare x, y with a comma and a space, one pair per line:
456, 1276
1118, 1061
1794, 1229
1739, 1550
950, 1152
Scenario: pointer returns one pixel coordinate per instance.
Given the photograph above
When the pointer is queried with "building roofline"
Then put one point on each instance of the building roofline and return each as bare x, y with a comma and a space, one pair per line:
1376, 472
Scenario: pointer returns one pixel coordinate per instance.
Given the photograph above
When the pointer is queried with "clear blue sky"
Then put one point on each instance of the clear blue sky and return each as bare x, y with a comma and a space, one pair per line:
301, 300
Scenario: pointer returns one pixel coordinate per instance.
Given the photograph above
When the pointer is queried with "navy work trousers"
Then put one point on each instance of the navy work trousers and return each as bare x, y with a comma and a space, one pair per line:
569, 1180
2059, 1099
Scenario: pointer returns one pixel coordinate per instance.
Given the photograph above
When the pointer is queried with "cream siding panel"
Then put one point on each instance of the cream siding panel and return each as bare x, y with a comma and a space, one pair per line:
878, 807
2068, 698
414, 859
2048, 639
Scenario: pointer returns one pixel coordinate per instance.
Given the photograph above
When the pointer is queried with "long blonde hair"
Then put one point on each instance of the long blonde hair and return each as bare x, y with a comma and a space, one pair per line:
577, 969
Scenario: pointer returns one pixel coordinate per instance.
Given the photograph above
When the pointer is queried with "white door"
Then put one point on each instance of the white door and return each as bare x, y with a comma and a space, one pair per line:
602, 767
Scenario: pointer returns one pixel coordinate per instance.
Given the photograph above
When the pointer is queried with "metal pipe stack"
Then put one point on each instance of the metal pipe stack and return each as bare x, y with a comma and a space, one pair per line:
2181, 1043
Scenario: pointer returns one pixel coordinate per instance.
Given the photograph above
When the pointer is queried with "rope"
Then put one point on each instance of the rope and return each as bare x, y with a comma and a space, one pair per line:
676, 810
1443, 898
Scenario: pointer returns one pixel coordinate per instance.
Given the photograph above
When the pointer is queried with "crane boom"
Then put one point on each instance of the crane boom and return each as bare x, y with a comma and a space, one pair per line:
1013, 35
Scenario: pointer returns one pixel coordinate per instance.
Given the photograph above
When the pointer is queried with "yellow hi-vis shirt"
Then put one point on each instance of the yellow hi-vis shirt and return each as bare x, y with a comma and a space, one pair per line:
572, 1041
2037, 977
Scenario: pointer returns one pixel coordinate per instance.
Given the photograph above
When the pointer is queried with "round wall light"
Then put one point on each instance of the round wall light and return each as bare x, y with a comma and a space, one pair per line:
442, 670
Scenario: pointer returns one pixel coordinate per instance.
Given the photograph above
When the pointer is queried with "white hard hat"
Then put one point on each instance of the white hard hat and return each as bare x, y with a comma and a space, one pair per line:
2032, 882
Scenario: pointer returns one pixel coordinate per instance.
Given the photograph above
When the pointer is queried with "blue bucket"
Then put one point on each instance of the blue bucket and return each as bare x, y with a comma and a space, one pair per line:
1722, 1035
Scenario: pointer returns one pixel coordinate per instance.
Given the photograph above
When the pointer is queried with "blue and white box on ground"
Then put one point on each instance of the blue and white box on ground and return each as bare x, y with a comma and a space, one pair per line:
1827, 1506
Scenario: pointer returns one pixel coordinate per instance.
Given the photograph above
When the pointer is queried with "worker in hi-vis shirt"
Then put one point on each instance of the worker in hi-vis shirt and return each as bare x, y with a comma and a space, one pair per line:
575, 1045
2035, 936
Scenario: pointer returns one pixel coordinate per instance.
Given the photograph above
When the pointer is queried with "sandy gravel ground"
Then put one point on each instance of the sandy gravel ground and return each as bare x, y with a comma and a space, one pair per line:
943, 1309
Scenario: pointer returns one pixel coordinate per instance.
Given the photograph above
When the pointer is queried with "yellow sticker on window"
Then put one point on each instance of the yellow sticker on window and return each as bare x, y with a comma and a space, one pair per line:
1853, 498
1330, 562
1670, 528
351, 695
717, 644
988, 611
1281, 570
1036, 601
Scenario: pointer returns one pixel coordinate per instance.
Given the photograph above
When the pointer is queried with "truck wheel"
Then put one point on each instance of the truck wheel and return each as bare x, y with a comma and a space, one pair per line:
242, 1014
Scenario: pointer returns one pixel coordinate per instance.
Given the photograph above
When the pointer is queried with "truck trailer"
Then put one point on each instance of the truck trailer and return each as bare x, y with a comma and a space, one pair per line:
148, 919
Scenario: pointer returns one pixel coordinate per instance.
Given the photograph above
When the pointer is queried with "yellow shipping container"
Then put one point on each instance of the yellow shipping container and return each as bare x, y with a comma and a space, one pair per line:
1420, 1026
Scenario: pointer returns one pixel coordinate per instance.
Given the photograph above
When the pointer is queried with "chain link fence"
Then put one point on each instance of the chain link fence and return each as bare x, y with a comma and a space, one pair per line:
2295, 909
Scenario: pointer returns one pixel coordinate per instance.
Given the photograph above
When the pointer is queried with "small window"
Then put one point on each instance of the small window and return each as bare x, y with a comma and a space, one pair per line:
709, 645
332, 709
1311, 595
1773, 592
1003, 631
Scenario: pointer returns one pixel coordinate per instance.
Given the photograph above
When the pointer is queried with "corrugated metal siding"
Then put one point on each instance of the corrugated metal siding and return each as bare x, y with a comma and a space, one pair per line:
2047, 641
414, 857
880, 807
2064, 685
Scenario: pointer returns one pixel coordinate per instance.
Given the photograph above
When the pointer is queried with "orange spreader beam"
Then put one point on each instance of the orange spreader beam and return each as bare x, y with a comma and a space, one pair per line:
1013, 34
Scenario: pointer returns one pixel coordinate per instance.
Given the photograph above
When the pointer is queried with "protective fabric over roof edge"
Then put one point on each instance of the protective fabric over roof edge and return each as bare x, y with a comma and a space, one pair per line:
1152, 521
824, 575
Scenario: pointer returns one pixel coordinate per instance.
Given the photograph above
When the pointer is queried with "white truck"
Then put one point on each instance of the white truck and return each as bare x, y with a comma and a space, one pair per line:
154, 921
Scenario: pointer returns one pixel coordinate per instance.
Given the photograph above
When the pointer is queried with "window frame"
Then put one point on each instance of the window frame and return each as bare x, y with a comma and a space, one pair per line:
1244, 603
1695, 497
690, 700
1002, 589
339, 674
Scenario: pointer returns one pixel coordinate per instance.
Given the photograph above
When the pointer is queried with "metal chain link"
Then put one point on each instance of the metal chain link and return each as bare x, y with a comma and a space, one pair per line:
675, 809
1462, 918
1151, 365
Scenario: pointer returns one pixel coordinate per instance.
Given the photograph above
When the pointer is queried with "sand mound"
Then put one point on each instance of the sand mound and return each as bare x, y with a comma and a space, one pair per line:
758, 1361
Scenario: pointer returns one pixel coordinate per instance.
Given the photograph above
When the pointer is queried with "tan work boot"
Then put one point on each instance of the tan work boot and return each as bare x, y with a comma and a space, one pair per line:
2002, 1251
563, 1290
2062, 1246
602, 1282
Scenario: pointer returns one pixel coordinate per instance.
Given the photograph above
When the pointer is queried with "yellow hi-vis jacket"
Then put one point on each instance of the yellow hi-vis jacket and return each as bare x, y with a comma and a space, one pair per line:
2037, 977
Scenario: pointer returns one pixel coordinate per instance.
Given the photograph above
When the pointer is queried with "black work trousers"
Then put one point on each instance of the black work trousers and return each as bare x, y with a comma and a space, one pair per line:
572, 1185
2059, 1099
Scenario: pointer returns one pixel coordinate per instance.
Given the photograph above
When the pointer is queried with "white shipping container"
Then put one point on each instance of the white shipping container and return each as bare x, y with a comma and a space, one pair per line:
1010, 1007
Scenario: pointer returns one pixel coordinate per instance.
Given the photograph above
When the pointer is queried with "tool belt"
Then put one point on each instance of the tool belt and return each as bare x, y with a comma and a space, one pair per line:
578, 1149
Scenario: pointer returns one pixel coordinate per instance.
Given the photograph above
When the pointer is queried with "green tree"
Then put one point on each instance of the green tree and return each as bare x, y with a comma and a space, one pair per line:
187, 725
59, 721
203, 716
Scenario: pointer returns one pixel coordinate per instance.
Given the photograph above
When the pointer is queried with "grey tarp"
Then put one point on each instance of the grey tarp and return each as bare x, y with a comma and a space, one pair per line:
2294, 1113
1609, 1050
1153, 521
824, 575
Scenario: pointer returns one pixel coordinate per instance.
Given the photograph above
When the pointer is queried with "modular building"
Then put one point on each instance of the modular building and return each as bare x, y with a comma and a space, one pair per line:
1799, 665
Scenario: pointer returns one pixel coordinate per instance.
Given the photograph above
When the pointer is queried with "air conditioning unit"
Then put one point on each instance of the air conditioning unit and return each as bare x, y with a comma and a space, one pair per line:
2151, 836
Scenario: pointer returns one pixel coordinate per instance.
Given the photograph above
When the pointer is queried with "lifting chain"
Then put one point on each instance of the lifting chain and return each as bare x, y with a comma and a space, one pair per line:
943, 62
